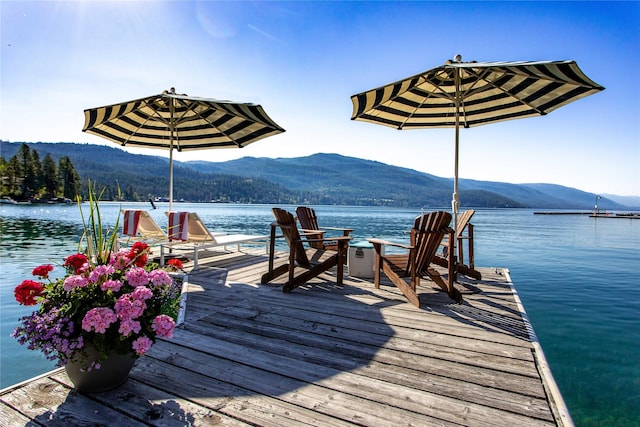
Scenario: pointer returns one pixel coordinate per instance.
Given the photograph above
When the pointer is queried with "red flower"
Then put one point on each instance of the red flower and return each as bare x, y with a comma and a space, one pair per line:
175, 263
27, 291
43, 270
76, 262
138, 253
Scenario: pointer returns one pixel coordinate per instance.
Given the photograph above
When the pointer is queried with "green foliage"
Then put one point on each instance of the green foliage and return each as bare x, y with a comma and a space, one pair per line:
69, 178
49, 176
100, 242
26, 177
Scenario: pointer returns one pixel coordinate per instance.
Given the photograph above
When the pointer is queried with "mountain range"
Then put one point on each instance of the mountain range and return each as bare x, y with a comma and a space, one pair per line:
316, 179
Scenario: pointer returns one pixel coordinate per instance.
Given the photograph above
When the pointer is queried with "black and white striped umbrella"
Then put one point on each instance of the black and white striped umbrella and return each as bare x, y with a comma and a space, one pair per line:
179, 122
471, 94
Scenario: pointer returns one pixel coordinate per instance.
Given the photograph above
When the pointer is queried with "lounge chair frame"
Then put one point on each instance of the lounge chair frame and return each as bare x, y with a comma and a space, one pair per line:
147, 229
199, 237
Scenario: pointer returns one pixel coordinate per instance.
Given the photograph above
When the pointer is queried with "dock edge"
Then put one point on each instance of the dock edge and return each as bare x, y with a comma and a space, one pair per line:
559, 407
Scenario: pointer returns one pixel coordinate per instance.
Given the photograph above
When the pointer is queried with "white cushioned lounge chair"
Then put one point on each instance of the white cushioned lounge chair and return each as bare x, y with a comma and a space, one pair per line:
138, 225
186, 230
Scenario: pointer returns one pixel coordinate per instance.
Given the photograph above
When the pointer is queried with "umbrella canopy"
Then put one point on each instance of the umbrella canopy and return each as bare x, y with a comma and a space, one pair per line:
179, 122
471, 94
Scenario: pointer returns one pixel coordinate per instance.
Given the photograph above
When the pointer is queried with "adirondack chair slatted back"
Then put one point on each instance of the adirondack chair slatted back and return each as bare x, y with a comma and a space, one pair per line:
287, 223
309, 221
426, 235
463, 220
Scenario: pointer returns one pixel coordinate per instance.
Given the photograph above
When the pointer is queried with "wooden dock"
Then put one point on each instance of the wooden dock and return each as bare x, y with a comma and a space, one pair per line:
323, 355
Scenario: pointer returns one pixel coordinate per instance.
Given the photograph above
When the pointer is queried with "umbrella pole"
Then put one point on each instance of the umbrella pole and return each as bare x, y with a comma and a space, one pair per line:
455, 200
171, 174
455, 203
171, 127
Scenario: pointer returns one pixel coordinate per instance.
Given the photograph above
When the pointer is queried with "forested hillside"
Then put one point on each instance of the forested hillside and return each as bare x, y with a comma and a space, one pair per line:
316, 179
132, 177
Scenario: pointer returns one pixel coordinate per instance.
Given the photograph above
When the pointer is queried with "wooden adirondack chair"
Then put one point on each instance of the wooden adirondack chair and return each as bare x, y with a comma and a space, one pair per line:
313, 261
464, 232
405, 270
309, 223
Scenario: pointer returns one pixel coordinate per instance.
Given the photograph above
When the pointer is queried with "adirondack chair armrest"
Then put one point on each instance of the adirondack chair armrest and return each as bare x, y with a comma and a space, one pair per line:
389, 243
469, 235
348, 230
330, 239
449, 234
307, 232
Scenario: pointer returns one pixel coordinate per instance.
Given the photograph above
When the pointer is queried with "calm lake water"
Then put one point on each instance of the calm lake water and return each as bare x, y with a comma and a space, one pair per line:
577, 277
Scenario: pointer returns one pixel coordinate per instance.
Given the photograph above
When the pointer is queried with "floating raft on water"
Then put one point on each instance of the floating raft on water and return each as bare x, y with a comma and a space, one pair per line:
563, 213
629, 215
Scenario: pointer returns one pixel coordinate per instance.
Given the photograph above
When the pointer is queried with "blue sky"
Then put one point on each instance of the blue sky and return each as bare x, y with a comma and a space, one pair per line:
303, 60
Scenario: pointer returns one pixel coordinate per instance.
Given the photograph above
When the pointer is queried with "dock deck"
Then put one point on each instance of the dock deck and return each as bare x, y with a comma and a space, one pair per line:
251, 355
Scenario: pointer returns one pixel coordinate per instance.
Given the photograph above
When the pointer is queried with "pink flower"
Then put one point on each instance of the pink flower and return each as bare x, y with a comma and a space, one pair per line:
75, 281
113, 285
137, 277
98, 319
127, 326
141, 345
141, 293
159, 278
128, 307
100, 271
120, 259
163, 325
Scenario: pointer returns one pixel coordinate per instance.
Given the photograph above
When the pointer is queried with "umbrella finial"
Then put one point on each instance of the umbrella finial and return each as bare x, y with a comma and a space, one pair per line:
172, 90
457, 58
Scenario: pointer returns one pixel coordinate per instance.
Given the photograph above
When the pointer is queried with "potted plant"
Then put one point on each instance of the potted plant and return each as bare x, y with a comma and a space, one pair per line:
107, 310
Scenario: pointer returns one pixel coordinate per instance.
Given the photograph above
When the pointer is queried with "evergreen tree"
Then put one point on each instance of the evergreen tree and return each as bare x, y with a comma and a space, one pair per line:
13, 183
36, 172
50, 176
69, 178
25, 172
4, 177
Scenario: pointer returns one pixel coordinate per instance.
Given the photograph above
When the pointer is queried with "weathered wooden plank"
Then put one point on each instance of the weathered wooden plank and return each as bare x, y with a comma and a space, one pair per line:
405, 398
506, 309
211, 380
330, 304
313, 332
363, 319
156, 407
526, 396
10, 416
50, 403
